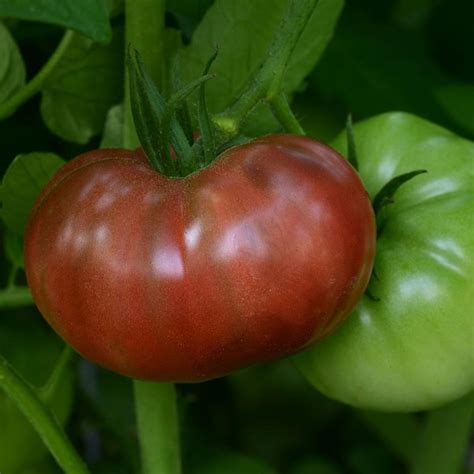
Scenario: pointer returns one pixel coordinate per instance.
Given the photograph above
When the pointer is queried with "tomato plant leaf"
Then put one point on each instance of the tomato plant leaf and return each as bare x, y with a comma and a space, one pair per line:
22, 182
13, 245
12, 68
21, 335
82, 88
188, 13
89, 17
458, 102
113, 128
254, 23
389, 68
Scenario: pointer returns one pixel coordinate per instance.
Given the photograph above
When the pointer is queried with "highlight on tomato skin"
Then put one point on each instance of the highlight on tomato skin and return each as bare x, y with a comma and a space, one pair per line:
250, 259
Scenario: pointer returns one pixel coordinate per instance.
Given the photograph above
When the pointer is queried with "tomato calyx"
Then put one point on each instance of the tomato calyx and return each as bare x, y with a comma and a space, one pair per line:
158, 127
383, 198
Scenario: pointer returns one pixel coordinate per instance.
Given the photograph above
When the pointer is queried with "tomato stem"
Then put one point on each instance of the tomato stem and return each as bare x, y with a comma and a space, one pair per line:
47, 391
15, 296
282, 111
8, 107
266, 84
444, 438
41, 419
155, 403
144, 28
157, 423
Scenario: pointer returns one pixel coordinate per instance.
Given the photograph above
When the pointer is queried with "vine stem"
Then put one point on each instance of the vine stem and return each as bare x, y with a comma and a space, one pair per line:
282, 111
144, 28
267, 82
36, 83
15, 296
158, 428
444, 438
155, 403
41, 418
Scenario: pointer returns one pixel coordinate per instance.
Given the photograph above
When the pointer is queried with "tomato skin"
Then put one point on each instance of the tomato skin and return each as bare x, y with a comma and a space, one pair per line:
186, 279
414, 349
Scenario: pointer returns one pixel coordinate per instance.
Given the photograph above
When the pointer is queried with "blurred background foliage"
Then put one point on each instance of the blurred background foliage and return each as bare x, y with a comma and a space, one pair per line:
410, 55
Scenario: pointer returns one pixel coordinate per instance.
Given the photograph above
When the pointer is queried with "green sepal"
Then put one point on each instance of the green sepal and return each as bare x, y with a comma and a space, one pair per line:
174, 104
205, 126
236, 141
385, 195
183, 114
351, 146
148, 107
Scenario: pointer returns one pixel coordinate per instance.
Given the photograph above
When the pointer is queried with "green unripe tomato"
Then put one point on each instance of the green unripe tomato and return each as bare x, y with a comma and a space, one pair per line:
414, 348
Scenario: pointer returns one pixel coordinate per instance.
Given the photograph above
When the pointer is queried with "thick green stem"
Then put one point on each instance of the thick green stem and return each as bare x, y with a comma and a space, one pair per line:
157, 419
284, 114
267, 83
157, 422
41, 418
15, 296
144, 27
32, 87
46, 393
444, 438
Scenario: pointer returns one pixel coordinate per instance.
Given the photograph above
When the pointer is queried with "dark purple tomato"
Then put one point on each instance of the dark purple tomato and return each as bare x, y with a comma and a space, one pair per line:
185, 279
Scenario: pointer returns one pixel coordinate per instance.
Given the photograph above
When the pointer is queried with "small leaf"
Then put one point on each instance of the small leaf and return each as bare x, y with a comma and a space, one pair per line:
371, 67
83, 86
385, 195
12, 67
24, 179
113, 128
89, 17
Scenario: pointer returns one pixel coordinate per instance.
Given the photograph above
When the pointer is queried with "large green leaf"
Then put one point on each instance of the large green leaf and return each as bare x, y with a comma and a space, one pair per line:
89, 17
253, 23
82, 88
12, 68
23, 181
371, 68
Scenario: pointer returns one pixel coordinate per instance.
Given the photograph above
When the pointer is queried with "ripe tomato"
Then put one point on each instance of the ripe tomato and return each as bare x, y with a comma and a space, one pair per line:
413, 349
185, 279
